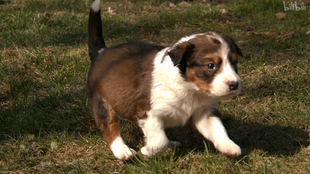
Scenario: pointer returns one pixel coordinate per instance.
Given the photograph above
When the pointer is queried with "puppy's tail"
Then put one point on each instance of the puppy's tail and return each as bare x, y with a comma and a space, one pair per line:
95, 39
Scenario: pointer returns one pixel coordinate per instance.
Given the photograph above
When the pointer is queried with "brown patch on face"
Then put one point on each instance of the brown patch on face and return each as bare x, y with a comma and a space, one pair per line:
201, 84
208, 44
204, 62
201, 76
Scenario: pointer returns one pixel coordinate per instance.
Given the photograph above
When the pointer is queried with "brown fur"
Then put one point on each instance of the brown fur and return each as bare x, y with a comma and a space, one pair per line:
200, 54
120, 78
119, 82
193, 56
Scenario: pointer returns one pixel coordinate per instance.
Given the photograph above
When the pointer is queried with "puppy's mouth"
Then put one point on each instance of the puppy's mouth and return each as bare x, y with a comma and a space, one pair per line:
231, 94
225, 95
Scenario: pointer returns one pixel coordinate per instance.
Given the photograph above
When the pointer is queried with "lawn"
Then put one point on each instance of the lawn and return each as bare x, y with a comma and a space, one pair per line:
46, 124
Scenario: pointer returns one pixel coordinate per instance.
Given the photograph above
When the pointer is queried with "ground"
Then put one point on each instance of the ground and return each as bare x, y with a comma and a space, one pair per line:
46, 124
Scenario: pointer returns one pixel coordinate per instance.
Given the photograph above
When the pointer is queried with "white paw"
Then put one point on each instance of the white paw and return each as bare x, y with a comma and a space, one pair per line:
229, 148
149, 151
152, 151
123, 152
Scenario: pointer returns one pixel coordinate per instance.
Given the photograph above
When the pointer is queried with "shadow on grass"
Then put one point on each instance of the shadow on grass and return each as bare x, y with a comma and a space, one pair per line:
270, 139
60, 113
54, 113
64, 113
273, 139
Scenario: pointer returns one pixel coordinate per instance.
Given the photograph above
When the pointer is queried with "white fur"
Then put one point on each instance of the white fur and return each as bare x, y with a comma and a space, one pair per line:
121, 150
174, 101
171, 104
219, 85
96, 6
101, 50
212, 128
155, 137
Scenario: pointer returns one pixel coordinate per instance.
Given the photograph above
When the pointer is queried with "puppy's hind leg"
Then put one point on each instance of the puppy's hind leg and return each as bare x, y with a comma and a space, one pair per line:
107, 121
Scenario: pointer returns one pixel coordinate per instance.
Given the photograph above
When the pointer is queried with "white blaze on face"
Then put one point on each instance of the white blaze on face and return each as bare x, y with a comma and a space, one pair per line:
219, 86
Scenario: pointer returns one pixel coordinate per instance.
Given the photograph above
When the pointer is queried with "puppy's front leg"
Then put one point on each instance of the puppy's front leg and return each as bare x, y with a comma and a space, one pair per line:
208, 123
155, 137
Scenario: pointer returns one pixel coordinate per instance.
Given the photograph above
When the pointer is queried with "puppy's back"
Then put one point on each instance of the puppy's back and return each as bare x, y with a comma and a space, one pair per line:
122, 75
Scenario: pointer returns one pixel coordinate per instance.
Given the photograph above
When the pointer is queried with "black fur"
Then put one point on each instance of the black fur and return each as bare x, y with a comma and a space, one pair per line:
95, 39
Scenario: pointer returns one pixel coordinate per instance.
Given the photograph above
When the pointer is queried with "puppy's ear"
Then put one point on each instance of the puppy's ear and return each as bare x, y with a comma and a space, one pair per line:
232, 45
180, 54
238, 50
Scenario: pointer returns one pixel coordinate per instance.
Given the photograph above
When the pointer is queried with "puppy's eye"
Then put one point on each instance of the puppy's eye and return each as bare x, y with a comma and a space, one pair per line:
211, 66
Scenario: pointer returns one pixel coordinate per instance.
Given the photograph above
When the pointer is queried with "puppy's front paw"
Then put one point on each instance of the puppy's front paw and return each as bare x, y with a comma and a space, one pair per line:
149, 151
152, 151
123, 152
146, 151
228, 148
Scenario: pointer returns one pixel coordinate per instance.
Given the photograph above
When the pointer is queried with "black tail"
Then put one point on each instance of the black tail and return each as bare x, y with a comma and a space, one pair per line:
95, 40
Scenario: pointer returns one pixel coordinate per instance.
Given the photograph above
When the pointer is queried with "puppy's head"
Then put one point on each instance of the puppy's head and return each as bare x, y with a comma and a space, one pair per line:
209, 60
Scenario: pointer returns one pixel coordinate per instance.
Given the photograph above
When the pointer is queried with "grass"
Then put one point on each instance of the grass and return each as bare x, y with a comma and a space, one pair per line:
46, 124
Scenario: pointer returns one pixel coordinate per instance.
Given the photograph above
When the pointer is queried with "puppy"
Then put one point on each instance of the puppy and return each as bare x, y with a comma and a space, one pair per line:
161, 87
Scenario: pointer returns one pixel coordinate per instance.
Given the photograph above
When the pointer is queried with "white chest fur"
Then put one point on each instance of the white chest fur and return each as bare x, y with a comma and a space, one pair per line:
173, 99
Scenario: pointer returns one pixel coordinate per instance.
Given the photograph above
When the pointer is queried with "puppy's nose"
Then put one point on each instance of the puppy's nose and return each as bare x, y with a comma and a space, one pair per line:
233, 85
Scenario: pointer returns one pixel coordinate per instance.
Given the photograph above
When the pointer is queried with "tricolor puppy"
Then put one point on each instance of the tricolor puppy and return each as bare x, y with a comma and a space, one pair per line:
161, 87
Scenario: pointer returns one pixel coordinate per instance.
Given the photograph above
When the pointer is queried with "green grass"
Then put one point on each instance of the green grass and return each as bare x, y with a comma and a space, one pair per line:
46, 124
